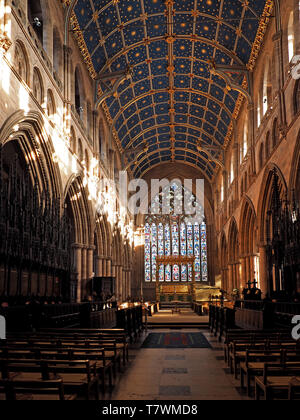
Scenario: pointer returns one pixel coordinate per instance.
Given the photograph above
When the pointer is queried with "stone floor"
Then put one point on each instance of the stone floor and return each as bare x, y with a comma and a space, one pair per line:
177, 374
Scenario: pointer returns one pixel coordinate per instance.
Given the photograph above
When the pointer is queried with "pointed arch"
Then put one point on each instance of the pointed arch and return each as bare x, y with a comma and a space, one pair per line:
76, 199
294, 184
37, 148
265, 199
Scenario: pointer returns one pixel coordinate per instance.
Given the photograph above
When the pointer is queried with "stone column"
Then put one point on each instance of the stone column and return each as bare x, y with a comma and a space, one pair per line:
109, 271
263, 269
99, 267
78, 265
244, 271
95, 132
83, 271
226, 277
90, 263
278, 49
230, 278
251, 140
67, 88
238, 277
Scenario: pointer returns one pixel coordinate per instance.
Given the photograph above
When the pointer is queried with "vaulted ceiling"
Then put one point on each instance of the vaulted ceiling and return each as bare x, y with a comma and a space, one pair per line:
172, 103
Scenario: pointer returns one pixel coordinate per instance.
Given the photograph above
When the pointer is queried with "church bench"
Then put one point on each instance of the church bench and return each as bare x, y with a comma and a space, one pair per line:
105, 334
34, 390
256, 369
254, 365
237, 354
113, 350
77, 375
106, 359
238, 351
251, 336
276, 381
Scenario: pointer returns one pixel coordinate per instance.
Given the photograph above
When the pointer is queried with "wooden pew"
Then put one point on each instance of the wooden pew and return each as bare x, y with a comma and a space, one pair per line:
34, 390
77, 375
238, 351
52, 352
252, 337
112, 351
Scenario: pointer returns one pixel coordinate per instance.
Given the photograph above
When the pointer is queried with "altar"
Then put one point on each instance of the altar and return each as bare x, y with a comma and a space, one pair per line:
175, 291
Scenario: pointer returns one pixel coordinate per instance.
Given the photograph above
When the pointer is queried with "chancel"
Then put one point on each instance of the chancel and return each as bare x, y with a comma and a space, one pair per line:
149, 200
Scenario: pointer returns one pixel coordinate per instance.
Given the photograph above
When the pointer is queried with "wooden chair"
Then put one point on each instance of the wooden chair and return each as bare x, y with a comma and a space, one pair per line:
254, 365
276, 380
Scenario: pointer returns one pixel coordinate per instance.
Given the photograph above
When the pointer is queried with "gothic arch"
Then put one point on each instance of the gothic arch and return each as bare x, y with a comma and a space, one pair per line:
21, 62
36, 147
233, 255
76, 198
117, 247
38, 86
79, 93
294, 183
265, 198
72, 140
233, 241
247, 227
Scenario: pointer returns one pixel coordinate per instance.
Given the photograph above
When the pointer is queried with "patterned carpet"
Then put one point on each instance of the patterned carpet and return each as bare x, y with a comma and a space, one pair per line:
176, 341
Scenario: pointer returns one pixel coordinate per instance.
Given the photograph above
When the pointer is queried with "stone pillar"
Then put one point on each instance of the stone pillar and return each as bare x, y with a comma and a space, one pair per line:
237, 271
83, 271
278, 50
251, 140
67, 88
78, 266
109, 271
104, 267
263, 269
244, 271
95, 132
230, 278
99, 267
121, 285
252, 268
90, 264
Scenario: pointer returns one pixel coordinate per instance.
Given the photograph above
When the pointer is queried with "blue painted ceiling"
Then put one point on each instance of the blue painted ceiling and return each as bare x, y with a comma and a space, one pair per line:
172, 103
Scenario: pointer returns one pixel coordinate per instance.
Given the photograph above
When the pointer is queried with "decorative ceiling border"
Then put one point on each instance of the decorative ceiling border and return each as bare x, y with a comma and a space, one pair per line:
252, 61
260, 33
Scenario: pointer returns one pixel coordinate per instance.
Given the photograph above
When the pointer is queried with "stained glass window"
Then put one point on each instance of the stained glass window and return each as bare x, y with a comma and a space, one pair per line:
204, 253
147, 253
175, 235
161, 250
154, 250
168, 274
197, 252
183, 250
190, 248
